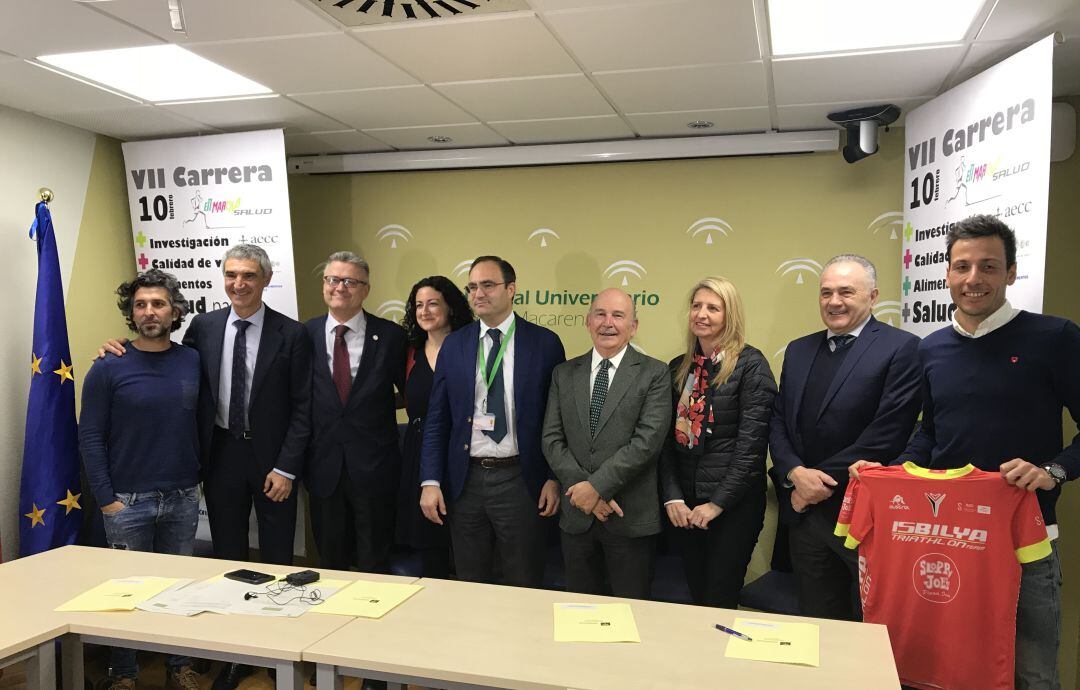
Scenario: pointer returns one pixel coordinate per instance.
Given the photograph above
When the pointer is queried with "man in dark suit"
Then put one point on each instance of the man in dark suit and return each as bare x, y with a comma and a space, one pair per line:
353, 465
481, 456
254, 409
607, 416
848, 393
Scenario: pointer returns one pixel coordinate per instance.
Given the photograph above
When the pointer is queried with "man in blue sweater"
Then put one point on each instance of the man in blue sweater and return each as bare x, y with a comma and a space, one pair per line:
995, 383
140, 444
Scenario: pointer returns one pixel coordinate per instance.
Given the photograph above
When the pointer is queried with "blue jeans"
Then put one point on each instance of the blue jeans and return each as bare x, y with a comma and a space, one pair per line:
1038, 624
156, 521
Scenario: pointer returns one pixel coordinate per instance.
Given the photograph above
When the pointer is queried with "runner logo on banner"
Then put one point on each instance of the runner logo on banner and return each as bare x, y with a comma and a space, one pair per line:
980, 148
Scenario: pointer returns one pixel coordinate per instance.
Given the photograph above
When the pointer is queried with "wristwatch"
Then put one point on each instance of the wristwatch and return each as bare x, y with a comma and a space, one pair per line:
1056, 472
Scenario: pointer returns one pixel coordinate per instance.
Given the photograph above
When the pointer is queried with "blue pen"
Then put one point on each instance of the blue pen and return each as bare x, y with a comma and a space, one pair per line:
736, 633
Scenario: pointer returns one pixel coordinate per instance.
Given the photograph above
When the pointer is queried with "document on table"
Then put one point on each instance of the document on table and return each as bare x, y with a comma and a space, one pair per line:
171, 601
595, 623
785, 643
122, 594
219, 594
367, 599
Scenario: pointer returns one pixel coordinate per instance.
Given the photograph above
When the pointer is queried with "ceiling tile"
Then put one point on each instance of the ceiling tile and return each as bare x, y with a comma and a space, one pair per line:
215, 20
463, 136
792, 118
402, 106
274, 111
346, 141
596, 128
489, 47
533, 98
45, 27
137, 122
685, 88
659, 35
729, 121
330, 62
34, 89
863, 76
1012, 19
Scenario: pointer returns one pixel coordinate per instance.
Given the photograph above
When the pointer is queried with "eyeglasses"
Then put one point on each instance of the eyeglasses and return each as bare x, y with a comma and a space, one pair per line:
334, 281
482, 286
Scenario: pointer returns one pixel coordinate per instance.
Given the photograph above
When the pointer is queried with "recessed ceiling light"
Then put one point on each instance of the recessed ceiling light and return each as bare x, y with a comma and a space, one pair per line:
439, 139
699, 124
157, 73
824, 26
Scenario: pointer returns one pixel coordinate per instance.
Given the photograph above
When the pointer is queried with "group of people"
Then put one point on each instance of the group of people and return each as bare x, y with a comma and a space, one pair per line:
504, 432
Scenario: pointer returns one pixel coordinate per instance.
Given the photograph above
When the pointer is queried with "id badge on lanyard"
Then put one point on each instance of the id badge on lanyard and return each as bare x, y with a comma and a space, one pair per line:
486, 421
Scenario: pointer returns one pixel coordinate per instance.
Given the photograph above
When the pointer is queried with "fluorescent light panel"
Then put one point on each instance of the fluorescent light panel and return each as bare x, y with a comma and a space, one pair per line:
827, 26
157, 73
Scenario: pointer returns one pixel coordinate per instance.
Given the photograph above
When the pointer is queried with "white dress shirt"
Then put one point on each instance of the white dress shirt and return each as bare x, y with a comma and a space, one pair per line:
354, 340
999, 318
615, 360
482, 445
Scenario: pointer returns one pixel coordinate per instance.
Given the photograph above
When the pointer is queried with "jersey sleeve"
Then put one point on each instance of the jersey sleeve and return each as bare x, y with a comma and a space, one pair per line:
854, 515
1030, 539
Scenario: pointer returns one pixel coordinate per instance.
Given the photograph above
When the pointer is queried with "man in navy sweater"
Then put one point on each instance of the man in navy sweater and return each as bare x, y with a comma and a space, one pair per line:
995, 383
140, 443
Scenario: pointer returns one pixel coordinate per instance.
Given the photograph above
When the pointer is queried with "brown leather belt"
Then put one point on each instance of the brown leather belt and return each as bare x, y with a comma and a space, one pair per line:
494, 463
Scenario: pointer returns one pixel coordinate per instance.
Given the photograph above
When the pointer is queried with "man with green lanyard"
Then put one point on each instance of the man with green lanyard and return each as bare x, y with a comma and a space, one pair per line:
481, 466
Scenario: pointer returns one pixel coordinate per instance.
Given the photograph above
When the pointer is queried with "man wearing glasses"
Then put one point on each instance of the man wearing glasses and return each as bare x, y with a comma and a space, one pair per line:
481, 465
353, 463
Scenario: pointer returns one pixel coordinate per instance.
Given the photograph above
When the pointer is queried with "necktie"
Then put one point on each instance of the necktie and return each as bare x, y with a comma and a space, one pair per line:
238, 389
839, 342
599, 395
342, 370
496, 398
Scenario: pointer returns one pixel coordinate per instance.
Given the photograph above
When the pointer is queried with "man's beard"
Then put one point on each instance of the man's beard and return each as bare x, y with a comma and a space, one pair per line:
153, 330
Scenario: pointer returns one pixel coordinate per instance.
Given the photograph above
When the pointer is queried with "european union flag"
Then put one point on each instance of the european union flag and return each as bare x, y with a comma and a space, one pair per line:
49, 510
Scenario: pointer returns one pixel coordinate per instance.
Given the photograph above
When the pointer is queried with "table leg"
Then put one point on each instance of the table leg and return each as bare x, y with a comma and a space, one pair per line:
41, 668
327, 678
289, 675
71, 656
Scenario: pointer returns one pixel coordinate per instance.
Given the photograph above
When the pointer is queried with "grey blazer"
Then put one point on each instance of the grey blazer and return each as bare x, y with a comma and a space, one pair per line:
620, 460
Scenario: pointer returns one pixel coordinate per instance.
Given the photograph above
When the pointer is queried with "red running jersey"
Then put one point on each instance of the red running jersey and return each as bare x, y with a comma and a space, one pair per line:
939, 555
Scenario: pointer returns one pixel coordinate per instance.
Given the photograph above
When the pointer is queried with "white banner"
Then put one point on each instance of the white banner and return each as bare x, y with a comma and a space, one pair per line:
980, 148
193, 198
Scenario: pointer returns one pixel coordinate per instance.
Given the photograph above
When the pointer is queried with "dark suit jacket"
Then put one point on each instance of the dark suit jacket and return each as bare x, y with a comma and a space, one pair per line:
869, 410
280, 406
361, 434
448, 428
620, 459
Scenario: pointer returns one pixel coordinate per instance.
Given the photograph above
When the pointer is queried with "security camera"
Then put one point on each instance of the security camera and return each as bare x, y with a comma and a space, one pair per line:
862, 128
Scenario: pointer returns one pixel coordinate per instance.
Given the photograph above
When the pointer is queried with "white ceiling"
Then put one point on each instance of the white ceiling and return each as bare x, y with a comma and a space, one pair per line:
557, 71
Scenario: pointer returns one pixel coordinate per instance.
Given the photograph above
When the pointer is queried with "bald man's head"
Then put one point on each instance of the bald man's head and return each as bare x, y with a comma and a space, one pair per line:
612, 321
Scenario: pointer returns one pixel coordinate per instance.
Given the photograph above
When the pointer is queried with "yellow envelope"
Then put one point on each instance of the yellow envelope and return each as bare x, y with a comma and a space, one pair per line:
595, 623
367, 599
784, 643
118, 595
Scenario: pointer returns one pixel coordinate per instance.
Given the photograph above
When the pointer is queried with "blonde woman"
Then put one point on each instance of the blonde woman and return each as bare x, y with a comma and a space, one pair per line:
712, 469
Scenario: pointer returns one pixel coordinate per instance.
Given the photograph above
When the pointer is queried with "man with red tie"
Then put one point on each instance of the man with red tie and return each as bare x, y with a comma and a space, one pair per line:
353, 462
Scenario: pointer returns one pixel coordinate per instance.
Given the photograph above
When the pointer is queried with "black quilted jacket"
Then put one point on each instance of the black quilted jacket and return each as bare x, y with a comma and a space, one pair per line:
731, 458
